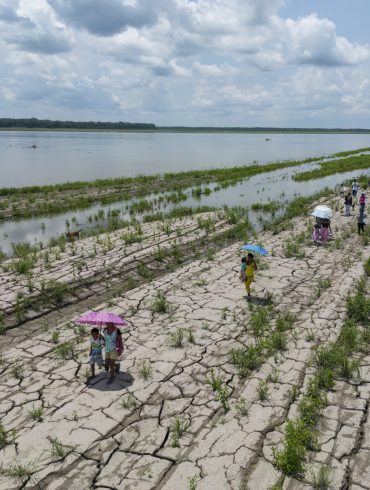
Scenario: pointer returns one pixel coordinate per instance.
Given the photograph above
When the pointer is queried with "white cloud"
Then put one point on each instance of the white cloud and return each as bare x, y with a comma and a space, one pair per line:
226, 62
314, 41
31, 27
212, 70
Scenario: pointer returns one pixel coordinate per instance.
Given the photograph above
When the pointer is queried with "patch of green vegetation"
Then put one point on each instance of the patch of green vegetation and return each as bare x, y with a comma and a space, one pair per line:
291, 458
273, 377
23, 265
36, 413
144, 271
177, 337
59, 451
293, 249
284, 321
131, 283
53, 291
145, 370
259, 320
241, 407
276, 342
178, 428
65, 350
20, 473
131, 237
351, 152
321, 480
160, 304
159, 254
268, 207
335, 166
23, 249
220, 389
331, 360
20, 308
190, 336
324, 283
358, 307
2, 324
248, 359
128, 402
192, 482
17, 369
3, 436
263, 390
293, 393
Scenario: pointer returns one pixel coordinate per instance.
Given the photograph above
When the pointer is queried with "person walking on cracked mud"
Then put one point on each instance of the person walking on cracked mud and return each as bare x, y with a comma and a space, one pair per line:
348, 204
361, 222
250, 269
96, 350
113, 349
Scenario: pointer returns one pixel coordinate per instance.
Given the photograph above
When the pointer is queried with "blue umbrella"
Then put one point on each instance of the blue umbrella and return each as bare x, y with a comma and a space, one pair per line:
255, 248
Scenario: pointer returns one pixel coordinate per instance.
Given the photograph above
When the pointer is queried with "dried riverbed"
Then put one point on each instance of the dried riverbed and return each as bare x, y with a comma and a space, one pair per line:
180, 415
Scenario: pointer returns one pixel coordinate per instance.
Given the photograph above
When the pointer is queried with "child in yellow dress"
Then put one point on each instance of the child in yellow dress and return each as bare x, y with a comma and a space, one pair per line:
250, 269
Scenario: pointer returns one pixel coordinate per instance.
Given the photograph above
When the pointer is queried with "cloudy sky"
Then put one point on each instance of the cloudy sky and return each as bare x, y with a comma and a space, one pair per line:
301, 63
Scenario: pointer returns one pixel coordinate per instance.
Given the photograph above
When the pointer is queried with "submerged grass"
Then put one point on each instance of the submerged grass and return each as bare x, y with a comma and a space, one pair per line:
356, 162
53, 199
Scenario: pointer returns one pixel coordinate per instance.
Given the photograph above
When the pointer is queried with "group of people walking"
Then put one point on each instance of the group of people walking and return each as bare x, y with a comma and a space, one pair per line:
350, 202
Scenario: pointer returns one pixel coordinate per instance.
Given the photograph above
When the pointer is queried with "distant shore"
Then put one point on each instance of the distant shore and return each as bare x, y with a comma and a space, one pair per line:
35, 124
175, 129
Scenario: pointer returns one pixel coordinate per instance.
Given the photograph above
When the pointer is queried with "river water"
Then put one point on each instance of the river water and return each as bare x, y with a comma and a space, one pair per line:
48, 157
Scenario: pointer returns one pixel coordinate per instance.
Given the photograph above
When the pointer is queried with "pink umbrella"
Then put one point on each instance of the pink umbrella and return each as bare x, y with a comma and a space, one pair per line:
100, 317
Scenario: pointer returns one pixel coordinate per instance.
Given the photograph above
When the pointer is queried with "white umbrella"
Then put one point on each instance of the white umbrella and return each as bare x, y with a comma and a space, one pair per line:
322, 211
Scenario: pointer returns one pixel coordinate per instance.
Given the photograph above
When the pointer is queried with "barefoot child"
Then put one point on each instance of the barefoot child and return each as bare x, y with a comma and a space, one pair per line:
113, 349
96, 350
250, 269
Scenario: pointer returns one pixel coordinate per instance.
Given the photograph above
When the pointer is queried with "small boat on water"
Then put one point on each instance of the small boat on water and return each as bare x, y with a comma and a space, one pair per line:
267, 139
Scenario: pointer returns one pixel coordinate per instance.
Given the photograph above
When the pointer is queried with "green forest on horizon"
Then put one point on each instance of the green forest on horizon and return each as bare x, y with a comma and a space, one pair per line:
45, 124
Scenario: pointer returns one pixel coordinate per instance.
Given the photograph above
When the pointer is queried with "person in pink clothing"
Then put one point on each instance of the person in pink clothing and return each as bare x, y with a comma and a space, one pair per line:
324, 234
316, 235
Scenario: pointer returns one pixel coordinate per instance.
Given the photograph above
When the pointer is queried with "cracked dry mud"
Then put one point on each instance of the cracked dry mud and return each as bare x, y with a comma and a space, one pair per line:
92, 266
119, 436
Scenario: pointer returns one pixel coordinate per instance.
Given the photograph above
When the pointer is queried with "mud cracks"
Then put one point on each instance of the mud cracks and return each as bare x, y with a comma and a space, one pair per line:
171, 430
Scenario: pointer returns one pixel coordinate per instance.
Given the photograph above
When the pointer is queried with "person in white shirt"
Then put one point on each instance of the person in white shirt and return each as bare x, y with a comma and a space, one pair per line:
354, 188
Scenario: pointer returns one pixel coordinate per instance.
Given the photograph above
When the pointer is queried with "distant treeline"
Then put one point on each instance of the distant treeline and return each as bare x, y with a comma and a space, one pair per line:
33, 122
258, 129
